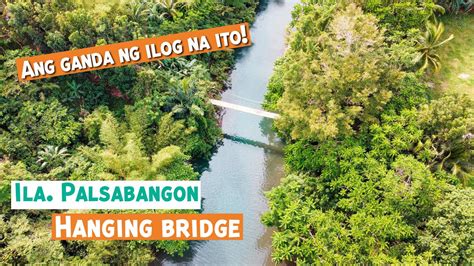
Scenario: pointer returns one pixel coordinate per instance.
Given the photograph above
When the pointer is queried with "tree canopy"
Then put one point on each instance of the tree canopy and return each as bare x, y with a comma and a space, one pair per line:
379, 169
144, 122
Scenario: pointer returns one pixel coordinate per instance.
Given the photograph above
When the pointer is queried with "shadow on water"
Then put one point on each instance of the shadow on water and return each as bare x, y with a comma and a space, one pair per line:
275, 147
246, 141
274, 144
263, 4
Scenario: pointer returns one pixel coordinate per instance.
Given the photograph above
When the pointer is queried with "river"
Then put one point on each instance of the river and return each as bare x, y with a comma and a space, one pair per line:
249, 161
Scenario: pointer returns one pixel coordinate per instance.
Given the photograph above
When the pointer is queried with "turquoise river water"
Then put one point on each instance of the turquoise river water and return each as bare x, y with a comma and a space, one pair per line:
249, 161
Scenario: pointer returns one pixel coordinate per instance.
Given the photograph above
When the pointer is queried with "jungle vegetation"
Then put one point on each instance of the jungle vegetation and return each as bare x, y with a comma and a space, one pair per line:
145, 122
379, 169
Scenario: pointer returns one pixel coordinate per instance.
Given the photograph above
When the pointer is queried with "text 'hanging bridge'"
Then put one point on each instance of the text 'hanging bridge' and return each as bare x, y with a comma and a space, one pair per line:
244, 109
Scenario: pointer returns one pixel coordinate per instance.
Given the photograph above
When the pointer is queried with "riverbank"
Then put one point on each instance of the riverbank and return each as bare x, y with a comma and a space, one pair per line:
378, 171
140, 122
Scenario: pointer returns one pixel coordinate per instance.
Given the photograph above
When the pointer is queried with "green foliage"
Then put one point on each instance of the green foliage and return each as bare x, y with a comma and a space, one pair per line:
396, 135
51, 156
448, 123
77, 167
93, 122
449, 234
309, 158
428, 43
456, 6
170, 131
173, 247
275, 87
36, 123
52, 123
112, 252
171, 163
439, 134
326, 217
61, 25
389, 186
26, 242
402, 15
188, 122
338, 80
114, 123
10, 171
123, 157
403, 51
170, 8
410, 93
77, 27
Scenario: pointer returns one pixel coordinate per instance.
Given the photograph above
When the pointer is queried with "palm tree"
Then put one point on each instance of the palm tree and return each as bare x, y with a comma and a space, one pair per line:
180, 66
51, 156
138, 10
75, 91
434, 9
428, 43
184, 99
170, 7
145, 11
455, 6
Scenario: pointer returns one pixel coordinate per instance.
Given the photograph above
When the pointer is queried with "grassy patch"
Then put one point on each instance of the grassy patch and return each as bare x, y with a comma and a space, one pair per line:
457, 56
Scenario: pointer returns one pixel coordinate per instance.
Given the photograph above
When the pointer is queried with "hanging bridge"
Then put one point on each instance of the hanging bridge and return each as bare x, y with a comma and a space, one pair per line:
244, 109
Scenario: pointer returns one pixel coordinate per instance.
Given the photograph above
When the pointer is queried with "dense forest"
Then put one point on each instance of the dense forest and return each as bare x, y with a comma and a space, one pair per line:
142, 122
379, 165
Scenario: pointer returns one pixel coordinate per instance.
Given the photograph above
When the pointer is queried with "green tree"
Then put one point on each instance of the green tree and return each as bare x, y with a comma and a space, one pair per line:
448, 123
10, 171
356, 210
46, 122
338, 80
109, 120
25, 241
373, 164
439, 134
402, 16
123, 156
448, 235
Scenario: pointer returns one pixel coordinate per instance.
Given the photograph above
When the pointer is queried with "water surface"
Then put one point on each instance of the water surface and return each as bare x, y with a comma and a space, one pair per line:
249, 162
